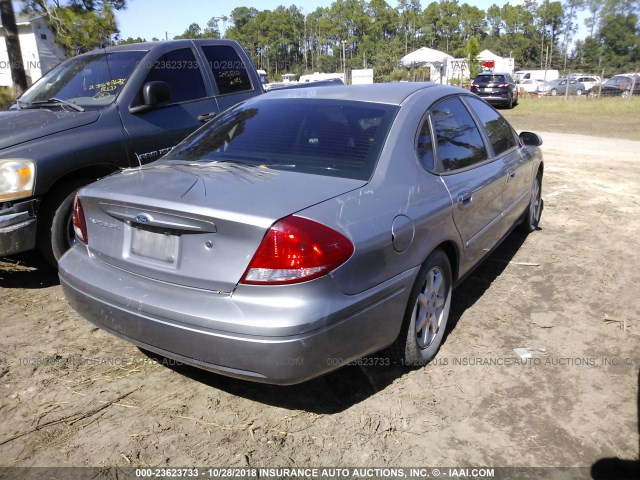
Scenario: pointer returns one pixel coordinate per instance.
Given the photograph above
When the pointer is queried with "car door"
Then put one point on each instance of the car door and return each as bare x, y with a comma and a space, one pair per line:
473, 179
517, 169
154, 131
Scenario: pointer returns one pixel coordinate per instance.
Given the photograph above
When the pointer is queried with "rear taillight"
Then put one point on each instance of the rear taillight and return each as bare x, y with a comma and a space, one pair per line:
296, 250
475, 85
79, 224
504, 85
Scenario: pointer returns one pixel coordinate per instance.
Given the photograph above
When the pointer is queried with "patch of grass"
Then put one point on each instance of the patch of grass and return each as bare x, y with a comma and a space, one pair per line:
612, 117
6, 97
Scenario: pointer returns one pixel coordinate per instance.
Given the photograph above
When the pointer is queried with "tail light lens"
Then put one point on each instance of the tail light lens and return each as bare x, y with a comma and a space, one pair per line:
475, 85
504, 85
296, 250
79, 223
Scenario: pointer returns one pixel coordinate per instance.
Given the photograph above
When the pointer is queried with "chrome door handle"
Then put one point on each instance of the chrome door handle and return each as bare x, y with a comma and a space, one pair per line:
206, 117
465, 199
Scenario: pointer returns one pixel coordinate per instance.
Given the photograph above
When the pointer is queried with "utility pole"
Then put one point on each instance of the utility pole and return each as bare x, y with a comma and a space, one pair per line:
10, 29
344, 62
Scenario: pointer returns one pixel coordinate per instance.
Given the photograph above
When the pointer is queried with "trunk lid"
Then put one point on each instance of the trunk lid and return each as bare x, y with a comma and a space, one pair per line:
195, 225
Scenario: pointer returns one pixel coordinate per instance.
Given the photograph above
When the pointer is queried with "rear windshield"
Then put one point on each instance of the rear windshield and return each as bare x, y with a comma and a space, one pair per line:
490, 79
323, 137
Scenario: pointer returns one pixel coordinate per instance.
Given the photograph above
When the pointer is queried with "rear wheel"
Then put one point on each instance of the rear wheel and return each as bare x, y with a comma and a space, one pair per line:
55, 229
626, 94
534, 212
427, 312
578, 92
554, 92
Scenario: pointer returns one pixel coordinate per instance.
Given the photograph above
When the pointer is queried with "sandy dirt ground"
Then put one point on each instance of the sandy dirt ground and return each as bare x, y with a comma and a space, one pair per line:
73, 395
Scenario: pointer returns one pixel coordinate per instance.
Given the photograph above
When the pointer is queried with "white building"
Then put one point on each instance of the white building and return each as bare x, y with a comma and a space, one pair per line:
39, 50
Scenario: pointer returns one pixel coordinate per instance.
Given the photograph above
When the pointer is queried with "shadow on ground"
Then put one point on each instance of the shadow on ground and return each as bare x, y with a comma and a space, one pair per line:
27, 270
343, 388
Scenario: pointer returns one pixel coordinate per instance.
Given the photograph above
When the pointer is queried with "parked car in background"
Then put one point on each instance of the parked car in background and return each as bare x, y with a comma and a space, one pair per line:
496, 88
529, 86
301, 230
559, 87
620, 85
589, 81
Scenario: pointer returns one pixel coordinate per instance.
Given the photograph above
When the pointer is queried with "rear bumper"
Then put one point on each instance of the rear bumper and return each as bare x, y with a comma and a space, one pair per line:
18, 228
502, 98
279, 335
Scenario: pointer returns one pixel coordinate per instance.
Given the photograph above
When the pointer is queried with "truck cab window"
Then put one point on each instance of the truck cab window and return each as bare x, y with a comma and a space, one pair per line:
229, 72
180, 69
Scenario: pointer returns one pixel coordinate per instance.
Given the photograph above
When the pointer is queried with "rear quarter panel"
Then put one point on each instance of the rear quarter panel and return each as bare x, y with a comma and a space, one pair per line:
400, 186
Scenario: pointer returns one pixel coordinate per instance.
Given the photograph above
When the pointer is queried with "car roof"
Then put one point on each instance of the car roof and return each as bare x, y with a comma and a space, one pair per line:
389, 93
494, 73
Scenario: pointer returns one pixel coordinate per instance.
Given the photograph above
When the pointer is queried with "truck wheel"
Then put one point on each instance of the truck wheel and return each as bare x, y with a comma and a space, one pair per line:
55, 230
427, 313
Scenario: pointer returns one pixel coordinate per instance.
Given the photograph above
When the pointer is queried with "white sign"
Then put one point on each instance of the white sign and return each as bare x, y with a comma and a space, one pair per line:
363, 76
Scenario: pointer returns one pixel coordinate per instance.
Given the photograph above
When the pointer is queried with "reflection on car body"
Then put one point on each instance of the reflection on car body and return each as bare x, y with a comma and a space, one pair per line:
318, 225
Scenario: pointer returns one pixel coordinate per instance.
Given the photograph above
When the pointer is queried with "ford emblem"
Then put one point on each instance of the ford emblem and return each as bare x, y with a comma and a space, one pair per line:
143, 218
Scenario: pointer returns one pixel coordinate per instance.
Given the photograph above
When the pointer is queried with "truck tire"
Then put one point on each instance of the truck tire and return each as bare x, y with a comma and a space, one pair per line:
55, 230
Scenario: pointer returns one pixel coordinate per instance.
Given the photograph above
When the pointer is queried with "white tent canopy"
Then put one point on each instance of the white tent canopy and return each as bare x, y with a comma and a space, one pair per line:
488, 55
423, 57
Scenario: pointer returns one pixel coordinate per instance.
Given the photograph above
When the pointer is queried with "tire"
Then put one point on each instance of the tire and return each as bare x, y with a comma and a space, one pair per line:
55, 230
510, 104
517, 99
533, 214
427, 313
554, 92
578, 92
626, 94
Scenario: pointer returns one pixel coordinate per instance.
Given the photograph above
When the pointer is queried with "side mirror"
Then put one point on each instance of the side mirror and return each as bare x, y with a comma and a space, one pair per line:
153, 93
530, 139
156, 92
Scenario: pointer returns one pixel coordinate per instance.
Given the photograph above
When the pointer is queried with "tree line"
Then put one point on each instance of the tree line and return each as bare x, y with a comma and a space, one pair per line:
374, 34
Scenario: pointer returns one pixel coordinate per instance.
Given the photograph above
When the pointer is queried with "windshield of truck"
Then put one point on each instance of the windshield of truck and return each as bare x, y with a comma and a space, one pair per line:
87, 81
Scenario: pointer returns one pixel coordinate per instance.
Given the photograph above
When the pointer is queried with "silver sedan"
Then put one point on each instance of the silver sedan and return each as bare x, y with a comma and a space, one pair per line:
304, 229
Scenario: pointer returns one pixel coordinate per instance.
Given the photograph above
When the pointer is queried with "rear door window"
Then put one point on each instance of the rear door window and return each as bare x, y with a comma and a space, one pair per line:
500, 134
459, 143
229, 71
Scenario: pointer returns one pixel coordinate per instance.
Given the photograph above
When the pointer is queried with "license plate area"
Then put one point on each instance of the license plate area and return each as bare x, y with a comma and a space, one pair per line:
154, 244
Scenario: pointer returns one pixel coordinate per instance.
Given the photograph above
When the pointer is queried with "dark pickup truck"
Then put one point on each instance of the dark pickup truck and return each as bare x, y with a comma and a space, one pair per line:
99, 112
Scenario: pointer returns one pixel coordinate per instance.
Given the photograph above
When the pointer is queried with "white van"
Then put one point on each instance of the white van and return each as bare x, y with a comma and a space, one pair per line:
544, 75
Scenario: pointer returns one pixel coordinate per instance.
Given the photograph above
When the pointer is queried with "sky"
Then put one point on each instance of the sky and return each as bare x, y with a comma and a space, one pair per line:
167, 18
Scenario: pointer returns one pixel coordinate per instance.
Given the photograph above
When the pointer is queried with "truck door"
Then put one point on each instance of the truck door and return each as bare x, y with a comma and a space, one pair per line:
153, 132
